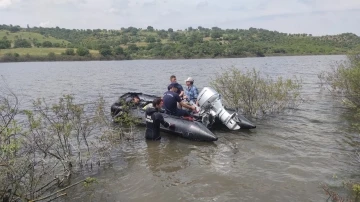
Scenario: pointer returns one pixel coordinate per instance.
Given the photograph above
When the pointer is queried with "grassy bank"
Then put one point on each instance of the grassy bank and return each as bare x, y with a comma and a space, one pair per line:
52, 56
38, 51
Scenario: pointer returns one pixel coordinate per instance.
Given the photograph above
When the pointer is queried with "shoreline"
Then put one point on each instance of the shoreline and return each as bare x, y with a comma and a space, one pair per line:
62, 58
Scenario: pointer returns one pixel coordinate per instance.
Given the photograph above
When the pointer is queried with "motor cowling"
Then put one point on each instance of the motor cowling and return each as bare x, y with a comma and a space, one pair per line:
210, 104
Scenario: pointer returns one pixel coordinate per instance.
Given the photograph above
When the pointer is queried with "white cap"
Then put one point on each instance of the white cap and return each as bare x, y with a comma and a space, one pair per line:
189, 79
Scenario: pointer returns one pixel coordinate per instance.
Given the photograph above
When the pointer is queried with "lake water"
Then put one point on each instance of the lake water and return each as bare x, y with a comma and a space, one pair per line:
285, 158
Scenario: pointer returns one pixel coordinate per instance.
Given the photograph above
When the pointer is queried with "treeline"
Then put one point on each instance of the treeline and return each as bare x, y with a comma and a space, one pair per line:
24, 43
15, 57
198, 42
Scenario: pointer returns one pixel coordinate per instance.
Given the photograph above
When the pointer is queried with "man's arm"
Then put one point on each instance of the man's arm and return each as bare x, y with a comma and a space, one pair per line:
183, 104
181, 90
163, 122
196, 93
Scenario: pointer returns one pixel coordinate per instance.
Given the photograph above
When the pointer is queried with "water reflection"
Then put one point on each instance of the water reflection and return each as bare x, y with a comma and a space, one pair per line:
173, 154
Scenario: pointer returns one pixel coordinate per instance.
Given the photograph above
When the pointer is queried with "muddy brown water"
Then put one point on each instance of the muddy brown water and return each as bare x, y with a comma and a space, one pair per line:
285, 158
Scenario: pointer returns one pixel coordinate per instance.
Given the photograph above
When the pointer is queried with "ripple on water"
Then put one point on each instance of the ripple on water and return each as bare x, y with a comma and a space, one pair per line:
284, 159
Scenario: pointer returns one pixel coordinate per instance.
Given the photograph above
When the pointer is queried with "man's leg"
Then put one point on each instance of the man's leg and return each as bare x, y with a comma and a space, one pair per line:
181, 112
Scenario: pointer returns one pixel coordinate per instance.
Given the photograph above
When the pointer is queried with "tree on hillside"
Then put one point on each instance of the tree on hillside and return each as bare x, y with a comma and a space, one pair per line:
22, 43
132, 48
47, 44
4, 44
216, 34
119, 51
150, 28
124, 39
82, 51
150, 39
105, 52
15, 29
163, 34
69, 51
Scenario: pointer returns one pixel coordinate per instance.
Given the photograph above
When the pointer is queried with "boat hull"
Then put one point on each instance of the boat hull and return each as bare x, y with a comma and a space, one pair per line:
194, 130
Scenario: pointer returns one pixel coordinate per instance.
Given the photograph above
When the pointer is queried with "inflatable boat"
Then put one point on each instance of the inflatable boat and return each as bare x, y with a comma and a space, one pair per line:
211, 115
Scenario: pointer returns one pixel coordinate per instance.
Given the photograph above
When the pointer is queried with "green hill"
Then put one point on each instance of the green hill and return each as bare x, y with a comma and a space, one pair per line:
136, 43
32, 37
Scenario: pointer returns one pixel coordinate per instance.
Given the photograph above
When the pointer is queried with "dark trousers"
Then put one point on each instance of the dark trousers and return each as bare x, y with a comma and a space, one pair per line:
179, 112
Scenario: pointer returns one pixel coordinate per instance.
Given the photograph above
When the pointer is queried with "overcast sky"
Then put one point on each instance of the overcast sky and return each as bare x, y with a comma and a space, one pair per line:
317, 17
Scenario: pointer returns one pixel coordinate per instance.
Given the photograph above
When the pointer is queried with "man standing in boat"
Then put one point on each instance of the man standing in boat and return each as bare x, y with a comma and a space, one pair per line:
180, 89
153, 120
171, 99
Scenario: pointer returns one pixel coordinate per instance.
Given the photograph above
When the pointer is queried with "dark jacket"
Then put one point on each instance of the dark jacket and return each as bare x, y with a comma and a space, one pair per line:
153, 120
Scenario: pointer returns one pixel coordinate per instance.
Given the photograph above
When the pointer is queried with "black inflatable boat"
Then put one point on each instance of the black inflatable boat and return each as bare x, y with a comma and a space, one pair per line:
212, 114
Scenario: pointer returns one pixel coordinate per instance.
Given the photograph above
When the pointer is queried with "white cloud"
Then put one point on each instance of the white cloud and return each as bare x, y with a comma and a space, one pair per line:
64, 1
5, 3
304, 16
202, 4
113, 10
140, 3
46, 24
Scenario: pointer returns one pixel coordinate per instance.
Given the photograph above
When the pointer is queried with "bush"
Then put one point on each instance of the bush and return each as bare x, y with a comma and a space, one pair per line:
82, 51
22, 43
105, 52
39, 155
69, 51
344, 81
47, 44
254, 95
52, 56
119, 50
9, 57
4, 44
344, 84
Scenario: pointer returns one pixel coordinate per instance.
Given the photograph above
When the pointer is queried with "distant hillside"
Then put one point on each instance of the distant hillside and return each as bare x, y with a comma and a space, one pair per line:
135, 43
33, 37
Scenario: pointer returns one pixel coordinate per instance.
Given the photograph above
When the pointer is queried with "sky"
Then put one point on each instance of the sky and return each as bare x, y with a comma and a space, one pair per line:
317, 17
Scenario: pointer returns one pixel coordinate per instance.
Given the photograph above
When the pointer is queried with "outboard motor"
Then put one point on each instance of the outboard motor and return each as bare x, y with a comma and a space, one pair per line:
211, 106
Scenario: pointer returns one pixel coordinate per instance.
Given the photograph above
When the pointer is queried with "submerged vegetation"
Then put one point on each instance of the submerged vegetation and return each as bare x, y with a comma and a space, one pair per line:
344, 84
256, 95
41, 148
137, 43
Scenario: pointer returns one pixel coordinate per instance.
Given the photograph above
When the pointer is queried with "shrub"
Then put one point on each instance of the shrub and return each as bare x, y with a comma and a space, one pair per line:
22, 43
52, 56
254, 95
119, 50
69, 51
81, 51
105, 52
344, 81
4, 44
47, 44
39, 155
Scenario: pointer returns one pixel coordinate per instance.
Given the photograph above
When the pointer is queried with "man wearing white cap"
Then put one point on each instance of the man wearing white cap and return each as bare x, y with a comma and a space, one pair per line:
191, 92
